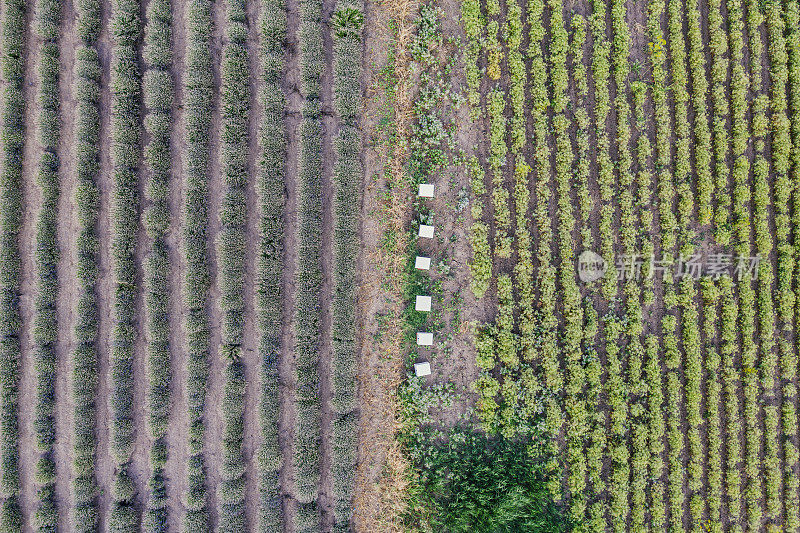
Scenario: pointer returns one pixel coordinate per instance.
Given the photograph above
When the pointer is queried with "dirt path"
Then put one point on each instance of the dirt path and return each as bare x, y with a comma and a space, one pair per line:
139, 467
250, 346
32, 205
380, 473
104, 464
287, 362
212, 418
65, 304
178, 429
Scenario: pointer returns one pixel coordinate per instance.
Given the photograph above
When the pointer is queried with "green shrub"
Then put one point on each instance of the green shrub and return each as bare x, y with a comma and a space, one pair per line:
197, 108
270, 188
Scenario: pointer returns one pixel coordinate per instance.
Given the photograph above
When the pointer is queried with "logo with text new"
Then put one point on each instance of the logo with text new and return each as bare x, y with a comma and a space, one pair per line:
591, 266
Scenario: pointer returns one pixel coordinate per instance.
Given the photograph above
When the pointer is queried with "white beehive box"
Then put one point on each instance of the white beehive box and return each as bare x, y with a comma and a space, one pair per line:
426, 190
422, 369
426, 231
424, 339
423, 303
422, 263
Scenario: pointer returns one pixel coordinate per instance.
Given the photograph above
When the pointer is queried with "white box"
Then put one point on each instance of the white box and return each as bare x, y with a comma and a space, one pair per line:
426, 231
422, 369
423, 303
426, 190
422, 263
424, 339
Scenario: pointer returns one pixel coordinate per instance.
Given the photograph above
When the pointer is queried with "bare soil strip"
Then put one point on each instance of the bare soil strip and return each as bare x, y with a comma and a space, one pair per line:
250, 349
32, 205
287, 363
104, 464
178, 431
65, 304
139, 466
212, 417
380, 474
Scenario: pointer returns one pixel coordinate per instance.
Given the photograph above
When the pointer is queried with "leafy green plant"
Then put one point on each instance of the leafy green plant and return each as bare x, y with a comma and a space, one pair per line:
473, 483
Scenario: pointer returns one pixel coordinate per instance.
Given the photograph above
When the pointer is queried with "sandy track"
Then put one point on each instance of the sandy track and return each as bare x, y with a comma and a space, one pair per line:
330, 125
287, 363
139, 467
104, 464
65, 406
178, 430
250, 349
212, 418
32, 204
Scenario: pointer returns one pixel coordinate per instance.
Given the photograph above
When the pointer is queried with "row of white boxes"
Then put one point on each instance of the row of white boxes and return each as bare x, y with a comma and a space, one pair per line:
423, 303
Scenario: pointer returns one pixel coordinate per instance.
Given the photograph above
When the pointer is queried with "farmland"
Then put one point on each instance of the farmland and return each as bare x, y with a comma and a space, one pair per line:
661, 137
217, 218
180, 185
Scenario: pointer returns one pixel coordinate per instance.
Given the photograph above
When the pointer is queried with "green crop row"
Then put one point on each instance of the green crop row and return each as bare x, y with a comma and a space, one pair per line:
481, 264
480, 268
663, 129
681, 164
640, 293
198, 91
597, 438
674, 400
12, 131
523, 275
47, 20
580, 58
630, 466
125, 83
158, 95
347, 30
309, 280
270, 187
692, 371
473, 23
701, 147
729, 344
309, 276
495, 345
771, 335
789, 362
571, 299
719, 67
731, 316
87, 95
545, 354
231, 248
306, 460
643, 159
763, 476
739, 128
498, 152
752, 431
605, 166
654, 377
